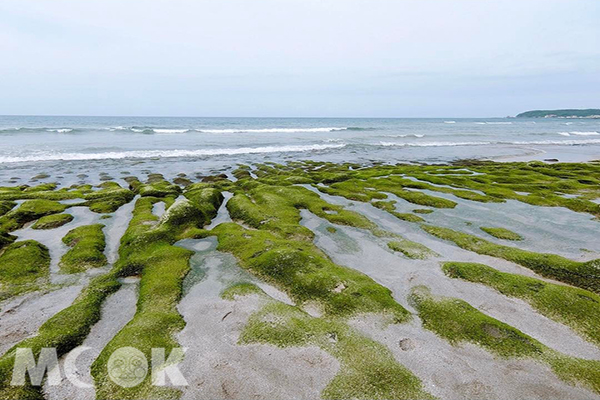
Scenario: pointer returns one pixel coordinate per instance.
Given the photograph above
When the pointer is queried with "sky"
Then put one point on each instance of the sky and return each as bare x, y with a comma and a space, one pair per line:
298, 58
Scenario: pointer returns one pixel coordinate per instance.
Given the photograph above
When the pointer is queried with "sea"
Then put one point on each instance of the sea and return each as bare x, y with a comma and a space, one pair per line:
83, 149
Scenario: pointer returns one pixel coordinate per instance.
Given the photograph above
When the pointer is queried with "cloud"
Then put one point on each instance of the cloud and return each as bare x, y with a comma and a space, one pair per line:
166, 57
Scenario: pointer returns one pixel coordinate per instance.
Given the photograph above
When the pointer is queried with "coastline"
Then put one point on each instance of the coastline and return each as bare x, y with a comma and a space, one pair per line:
369, 262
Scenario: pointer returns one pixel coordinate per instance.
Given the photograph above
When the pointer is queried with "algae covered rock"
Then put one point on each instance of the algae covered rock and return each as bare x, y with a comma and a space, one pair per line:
23, 267
28, 211
52, 221
87, 249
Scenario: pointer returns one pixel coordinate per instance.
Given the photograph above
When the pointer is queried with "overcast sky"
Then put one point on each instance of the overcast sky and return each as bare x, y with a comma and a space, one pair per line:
419, 58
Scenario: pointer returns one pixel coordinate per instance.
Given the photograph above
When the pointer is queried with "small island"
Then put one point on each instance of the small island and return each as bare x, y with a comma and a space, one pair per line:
568, 113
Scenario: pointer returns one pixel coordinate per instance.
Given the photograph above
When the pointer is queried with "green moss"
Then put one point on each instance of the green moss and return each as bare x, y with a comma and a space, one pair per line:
575, 307
6, 206
181, 181
457, 321
368, 370
147, 249
412, 249
207, 199
109, 198
577, 371
585, 275
44, 191
87, 249
331, 229
306, 274
52, 221
372, 189
156, 186
422, 211
242, 173
28, 211
388, 206
502, 233
6, 239
64, 331
407, 217
240, 289
24, 267
276, 208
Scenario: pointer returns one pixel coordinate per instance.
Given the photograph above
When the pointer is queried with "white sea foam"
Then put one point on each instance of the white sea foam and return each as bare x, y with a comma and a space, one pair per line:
406, 135
167, 153
271, 130
576, 133
150, 130
534, 142
449, 122
117, 128
170, 130
432, 144
60, 130
493, 123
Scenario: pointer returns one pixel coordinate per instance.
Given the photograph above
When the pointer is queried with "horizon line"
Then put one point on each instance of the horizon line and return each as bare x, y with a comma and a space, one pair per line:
249, 117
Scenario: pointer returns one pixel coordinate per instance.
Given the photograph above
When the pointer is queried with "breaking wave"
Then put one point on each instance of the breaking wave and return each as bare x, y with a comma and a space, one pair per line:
275, 130
452, 144
405, 135
137, 129
167, 153
576, 133
161, 130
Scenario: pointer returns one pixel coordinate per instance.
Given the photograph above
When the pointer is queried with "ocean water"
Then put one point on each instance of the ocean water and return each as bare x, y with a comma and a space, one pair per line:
66, 147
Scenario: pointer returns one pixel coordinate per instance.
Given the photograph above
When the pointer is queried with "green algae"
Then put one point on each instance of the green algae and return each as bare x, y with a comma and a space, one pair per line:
422, 211
6, 206
44, 191
306, 274
457, 321
242, 172
585, 275
109, 198
64, 331
28, 211
182, 181
240, 289
390, 207
355, 189
484, 182
368, 369
86, 251
276, 208
407, 217
577, 308
147, 249
156, 186
24, 266
206, 198
502, 233
52, 221
412, 249
331, 229
6, 239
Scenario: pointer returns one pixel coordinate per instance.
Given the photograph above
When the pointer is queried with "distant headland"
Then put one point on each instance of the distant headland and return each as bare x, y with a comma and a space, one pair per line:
569, 113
